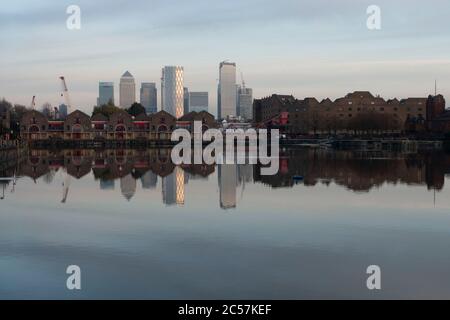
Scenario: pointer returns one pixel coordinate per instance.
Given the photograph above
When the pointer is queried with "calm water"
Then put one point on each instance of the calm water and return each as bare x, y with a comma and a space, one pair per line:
139, 227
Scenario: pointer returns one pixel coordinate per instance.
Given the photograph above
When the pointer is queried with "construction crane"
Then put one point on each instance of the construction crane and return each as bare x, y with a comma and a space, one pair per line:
65, 94
33, 103
243, 82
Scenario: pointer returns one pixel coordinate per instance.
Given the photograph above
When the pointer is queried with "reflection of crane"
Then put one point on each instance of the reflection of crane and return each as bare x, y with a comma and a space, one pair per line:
65, 93
65, 185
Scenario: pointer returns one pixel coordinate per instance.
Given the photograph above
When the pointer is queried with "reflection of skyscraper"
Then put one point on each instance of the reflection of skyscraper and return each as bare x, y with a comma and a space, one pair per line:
173, 187
128, 186
227, 175
179, 185
149, 180
172, 93
226, 102
107, 184
168, 189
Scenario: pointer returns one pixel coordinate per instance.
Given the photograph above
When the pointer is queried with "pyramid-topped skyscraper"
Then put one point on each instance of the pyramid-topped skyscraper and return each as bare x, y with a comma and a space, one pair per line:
127, 90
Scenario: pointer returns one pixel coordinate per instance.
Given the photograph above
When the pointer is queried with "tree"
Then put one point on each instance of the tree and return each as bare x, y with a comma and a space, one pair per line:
136, 109
107, 109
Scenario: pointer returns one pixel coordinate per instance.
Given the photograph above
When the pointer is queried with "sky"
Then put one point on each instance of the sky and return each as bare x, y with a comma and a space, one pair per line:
319, 48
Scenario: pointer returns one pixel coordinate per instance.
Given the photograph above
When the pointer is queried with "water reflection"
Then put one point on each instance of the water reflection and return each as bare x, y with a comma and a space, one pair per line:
356, 171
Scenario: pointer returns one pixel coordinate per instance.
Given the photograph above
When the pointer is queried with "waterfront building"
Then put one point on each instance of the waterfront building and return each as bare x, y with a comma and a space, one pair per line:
148, 97
127, 90
172, 90
105, 93
357, 112
226, 100
198, 101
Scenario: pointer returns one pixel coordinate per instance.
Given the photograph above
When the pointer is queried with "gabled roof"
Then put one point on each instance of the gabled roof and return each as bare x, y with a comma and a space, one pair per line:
188, 116
99, 117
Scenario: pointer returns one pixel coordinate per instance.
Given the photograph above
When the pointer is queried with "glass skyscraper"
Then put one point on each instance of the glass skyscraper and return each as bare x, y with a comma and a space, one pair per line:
149, 97
245, 102
226, 102
198, 101
172, 91
105, 93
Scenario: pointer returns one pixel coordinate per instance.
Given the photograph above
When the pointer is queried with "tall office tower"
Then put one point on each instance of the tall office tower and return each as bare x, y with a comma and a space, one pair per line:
149, 97
227, 176
198, 101
105, 93
185, 100
172, 93
127, 90
62, 110
245, 102
226, 102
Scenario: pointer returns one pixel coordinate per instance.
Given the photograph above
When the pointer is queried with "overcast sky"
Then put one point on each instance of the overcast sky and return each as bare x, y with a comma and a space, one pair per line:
302, 47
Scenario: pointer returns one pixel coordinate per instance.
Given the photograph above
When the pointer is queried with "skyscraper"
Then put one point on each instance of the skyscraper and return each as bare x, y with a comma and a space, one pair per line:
149, 97
127, 90
186, 100
198, 101
245, 102
226, 102
62, 110
172, 92
105, 93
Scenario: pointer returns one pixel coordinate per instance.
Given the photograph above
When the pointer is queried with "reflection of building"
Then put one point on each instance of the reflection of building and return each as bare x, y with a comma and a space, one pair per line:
198, 101
227, 175
149, 180
107, 184
179, 175
127, 90
173, 187
172, 92
226, 100
149, 97
128, 186
169, 189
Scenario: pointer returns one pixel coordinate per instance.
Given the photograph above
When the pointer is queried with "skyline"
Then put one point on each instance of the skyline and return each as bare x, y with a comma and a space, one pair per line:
280, 48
